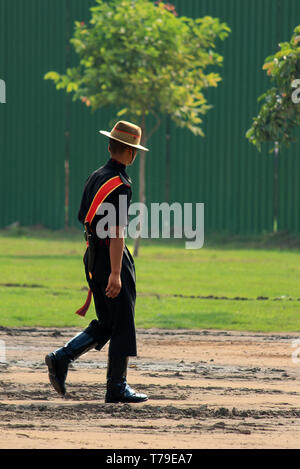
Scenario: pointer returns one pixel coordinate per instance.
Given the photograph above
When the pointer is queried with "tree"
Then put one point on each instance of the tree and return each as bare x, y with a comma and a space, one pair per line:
141, 57
279, 114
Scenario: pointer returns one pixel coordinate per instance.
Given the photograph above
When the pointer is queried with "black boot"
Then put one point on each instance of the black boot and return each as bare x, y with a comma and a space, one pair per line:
59, 360
117, 389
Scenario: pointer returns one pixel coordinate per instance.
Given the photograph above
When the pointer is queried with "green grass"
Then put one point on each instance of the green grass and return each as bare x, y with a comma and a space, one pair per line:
47, 283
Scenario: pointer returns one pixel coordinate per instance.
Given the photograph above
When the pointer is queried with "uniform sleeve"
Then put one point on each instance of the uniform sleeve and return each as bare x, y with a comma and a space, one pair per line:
84, 204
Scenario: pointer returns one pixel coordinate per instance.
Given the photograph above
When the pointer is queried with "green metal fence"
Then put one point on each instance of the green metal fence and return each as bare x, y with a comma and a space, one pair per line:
39, 126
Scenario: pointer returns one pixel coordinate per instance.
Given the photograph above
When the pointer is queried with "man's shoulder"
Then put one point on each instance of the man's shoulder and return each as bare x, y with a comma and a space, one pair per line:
100, 176
110, 175
125, 179
106, 173
99, 172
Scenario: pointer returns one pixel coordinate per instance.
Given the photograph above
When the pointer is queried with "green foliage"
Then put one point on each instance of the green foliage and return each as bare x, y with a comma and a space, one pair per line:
279, 115
143, 59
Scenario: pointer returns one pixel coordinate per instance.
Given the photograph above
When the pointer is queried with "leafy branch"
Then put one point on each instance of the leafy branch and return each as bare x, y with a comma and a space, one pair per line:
279, 113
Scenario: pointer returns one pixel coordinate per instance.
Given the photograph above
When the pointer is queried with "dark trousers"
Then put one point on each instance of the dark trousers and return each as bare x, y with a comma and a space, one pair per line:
115, 316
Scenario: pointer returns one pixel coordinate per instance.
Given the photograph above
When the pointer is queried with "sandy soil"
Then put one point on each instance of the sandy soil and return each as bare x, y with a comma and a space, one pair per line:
207, 389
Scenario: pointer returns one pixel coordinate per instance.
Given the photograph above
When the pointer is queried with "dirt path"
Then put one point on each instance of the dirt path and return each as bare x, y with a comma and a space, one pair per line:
207, 389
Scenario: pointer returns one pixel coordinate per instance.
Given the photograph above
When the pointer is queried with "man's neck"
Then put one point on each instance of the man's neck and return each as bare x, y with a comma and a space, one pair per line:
117, 164
117, 160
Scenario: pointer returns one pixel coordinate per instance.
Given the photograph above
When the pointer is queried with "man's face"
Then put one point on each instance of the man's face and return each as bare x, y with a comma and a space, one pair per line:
127, 157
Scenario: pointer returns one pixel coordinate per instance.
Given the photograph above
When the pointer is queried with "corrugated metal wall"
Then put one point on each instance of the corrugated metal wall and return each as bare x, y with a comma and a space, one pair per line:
223, 170
31, 122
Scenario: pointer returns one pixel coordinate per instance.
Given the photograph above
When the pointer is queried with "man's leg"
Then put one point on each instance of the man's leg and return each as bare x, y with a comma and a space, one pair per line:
123, 339
58, 361
94, 336
118, 390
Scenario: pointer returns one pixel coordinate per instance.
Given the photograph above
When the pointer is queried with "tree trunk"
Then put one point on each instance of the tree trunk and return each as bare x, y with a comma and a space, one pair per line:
67, 117
67, 190
142, 188
275, 189
168, 159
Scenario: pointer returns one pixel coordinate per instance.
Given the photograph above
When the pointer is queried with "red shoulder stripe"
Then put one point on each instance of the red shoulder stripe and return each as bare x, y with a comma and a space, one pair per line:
101, 195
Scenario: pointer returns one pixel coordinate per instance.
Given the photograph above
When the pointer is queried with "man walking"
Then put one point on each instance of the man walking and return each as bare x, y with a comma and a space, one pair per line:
110, 272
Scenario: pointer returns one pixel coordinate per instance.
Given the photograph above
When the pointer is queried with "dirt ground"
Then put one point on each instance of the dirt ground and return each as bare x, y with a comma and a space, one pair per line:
207, 389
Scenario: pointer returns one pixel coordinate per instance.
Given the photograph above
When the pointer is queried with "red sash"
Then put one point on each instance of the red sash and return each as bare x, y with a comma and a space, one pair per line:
99, 198
101, 195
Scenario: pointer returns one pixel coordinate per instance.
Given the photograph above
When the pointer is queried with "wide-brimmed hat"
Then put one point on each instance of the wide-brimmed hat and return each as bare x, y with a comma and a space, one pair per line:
126, 132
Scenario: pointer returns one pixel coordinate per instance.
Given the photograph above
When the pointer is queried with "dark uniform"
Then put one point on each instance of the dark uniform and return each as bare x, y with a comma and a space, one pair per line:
115, 316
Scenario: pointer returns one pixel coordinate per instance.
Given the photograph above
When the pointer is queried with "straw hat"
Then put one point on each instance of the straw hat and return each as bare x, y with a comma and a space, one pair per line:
126, 132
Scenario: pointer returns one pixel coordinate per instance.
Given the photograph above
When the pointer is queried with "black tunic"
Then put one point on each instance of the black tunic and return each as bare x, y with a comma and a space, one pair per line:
115, 316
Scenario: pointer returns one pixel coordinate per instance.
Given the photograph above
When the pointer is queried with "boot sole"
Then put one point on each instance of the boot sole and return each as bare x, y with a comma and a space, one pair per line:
51, 371
124, 401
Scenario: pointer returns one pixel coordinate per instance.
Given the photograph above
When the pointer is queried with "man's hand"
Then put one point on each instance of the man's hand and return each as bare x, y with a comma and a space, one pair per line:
114, 285
116, 247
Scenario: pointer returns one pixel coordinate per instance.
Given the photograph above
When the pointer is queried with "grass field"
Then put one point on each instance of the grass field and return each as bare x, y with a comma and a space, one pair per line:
253, 286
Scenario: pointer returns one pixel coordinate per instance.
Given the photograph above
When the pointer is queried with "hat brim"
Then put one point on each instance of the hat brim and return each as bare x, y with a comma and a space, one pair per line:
108, 134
